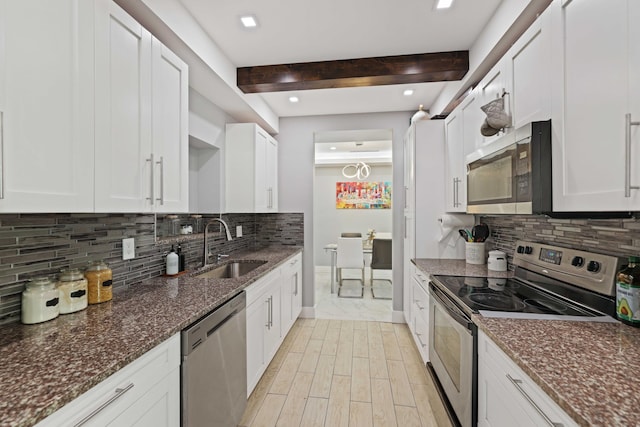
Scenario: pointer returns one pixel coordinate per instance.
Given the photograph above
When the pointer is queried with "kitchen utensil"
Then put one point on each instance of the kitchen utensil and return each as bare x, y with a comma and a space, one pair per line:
464, 235
480, 232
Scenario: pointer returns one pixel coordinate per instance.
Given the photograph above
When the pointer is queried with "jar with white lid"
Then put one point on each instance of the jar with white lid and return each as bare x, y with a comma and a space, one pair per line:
72, 286
497, 261
40, 301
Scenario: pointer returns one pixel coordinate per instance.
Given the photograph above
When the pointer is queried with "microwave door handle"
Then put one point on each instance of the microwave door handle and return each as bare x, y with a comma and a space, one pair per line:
452, 310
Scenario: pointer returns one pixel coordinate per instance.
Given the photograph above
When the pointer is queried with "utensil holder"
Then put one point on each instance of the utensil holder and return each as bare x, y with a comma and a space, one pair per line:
475, 252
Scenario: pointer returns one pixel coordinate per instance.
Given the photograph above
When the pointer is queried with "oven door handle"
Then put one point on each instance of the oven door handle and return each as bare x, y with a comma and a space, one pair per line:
457, 314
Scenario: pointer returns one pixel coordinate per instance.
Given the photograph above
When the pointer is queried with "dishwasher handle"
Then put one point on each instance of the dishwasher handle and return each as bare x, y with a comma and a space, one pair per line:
198, 332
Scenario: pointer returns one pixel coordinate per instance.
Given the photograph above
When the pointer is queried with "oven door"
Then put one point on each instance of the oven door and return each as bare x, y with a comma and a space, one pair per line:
452, 352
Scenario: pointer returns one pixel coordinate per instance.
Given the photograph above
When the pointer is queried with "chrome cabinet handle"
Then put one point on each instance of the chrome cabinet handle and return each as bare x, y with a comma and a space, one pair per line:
627, 156
270, 311
161, 198
517, 384
268, 301
150, 160
406, 197
456, 192
405, 227
118, 393
1, 154
416, 301
296, 292
420, 339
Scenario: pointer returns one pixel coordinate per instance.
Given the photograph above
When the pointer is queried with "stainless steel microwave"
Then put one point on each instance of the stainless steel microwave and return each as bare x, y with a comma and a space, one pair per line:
512, 175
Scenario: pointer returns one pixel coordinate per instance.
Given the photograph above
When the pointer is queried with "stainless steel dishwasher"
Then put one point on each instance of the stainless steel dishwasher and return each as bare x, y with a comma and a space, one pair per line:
214, 367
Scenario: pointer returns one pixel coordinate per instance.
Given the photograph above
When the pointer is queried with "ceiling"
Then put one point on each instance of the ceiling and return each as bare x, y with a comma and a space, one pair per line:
294, 31
373, 146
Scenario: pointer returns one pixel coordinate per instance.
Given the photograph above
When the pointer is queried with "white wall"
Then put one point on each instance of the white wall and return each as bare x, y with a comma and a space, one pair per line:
296, 175
330, 222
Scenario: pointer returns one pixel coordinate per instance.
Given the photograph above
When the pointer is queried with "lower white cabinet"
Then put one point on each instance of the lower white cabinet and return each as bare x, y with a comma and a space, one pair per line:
508, 397
420, 313
291, 292
144, 393
273, 304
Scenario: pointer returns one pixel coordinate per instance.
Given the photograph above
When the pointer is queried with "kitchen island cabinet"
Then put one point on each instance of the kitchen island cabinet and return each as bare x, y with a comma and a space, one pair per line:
596, 136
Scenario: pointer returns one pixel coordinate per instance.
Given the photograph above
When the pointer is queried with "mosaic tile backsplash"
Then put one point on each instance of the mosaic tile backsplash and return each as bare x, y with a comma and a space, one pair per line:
34, 245
617, 237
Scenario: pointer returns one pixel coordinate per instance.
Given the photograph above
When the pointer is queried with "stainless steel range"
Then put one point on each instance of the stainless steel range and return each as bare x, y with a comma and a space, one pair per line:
549, 282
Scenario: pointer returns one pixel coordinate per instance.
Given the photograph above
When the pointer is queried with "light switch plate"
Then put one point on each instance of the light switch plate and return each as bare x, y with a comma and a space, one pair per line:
128, 248
238, 231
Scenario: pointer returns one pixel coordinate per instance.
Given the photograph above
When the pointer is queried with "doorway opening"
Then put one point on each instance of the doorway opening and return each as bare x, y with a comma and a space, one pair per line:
353, 184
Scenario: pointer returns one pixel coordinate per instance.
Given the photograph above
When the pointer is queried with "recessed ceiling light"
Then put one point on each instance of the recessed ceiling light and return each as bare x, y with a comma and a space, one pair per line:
293, 99
444, 4
249, 21
333, 148
408, 92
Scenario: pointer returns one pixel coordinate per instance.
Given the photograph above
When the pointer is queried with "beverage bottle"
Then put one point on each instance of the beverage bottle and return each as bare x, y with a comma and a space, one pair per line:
628, 293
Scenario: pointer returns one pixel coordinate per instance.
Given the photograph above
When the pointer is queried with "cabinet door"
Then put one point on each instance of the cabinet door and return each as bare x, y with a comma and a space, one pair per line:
529, 60
170, 131
409, 169
471, 118
455, 174
46, 106
495, 84
272, 174
261, 184
589, 121
291, 302
257, 319
634, 99
123, 159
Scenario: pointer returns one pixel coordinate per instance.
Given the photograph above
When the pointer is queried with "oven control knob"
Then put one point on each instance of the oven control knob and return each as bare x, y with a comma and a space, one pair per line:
577, 261
528, 250
593, 266
520, 249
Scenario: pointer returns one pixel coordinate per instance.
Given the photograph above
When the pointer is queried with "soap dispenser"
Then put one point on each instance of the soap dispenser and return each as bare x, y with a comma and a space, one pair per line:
172, 262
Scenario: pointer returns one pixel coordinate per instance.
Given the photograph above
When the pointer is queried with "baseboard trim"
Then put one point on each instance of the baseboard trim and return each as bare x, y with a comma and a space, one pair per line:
397, 317
308, 313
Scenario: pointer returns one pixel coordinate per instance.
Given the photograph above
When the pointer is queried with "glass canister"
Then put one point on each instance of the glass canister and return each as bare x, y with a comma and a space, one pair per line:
99, 277
198, 223
40, 301
72, 286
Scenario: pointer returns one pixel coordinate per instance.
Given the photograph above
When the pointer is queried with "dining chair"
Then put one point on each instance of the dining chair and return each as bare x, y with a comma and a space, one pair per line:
350, 256
380, 260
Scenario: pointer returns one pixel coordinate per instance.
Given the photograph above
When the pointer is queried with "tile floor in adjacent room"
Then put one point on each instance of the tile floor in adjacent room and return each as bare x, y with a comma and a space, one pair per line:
336, 373
330, 306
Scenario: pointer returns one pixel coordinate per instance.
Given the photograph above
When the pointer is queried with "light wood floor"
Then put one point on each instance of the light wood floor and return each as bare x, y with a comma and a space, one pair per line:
345, 373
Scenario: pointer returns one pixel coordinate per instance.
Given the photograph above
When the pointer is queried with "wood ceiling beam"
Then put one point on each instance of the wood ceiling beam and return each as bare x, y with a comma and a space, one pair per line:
385, 70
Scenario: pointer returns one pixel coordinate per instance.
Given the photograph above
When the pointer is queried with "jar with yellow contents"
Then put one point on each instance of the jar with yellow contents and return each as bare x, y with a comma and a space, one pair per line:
99, 277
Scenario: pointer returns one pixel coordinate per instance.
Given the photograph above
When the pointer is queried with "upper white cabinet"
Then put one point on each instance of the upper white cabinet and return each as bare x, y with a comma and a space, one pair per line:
251, 164
455, 181
529, 89
141, 140
596, 157
46, 106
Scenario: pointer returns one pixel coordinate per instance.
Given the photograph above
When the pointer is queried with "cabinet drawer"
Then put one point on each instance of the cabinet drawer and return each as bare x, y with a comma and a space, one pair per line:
522, 389
120, 391
256, 289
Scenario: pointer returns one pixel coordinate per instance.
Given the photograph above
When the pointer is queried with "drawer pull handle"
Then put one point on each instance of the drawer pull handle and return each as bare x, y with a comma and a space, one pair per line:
415, 301
118, 393
420, 339
517, 384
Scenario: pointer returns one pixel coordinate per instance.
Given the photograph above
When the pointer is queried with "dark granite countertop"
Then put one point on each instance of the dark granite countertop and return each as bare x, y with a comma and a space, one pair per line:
47, 365
457, 267
589, 369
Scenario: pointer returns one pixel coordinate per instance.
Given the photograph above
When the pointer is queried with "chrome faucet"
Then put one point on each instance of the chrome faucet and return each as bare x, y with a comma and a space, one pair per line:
206, 238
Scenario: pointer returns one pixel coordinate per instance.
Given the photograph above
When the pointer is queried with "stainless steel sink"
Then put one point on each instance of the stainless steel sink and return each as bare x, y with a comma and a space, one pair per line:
232, 269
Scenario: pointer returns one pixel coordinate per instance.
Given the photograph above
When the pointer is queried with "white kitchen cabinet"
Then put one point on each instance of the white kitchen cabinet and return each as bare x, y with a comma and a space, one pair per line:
141, 144
291, 292
409, 238
263, 325
508, 397
145, 393
251, 165
530, 73
471, 117
420, 313
46, 106
590, 160
455, 180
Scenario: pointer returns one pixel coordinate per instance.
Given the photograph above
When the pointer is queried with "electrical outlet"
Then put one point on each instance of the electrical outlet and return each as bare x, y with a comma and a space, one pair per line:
128, 248
238, 231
